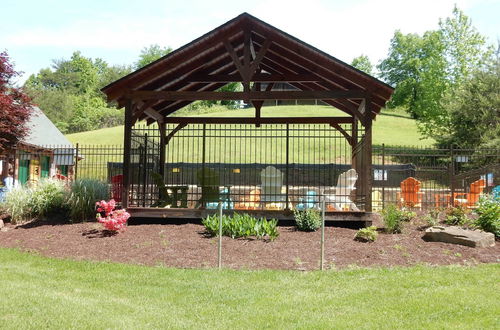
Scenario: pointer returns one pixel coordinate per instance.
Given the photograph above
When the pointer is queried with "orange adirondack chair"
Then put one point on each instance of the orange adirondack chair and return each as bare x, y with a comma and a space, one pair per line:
471, 198
410, 195
252, 202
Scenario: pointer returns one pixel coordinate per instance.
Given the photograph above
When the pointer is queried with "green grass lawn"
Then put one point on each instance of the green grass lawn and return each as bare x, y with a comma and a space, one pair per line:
392, 127
38, 292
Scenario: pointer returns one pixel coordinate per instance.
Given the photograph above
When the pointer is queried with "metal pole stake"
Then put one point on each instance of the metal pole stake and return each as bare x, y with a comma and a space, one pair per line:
220, 236
322, 235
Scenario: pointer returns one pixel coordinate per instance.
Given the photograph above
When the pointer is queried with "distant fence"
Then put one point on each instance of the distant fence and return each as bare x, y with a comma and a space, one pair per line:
441, 172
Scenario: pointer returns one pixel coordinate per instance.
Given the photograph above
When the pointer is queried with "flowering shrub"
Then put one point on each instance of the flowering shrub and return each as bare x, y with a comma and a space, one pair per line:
113, 220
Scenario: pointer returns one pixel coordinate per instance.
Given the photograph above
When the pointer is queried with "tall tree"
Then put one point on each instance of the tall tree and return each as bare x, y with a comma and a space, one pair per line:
151, 54
474, 109
417, 68
15, 106
463, 46
428, 69
363, 63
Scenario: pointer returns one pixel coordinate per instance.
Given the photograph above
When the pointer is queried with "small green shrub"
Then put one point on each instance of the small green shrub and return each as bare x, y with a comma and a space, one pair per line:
432, 217
242, 225
18, 204
368, 234
394, 218
84, 193
457, 216
307, 220
488, 211
407, 215
47, 197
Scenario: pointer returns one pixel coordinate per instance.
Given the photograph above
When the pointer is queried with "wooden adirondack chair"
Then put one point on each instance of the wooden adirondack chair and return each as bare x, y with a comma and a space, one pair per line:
471, 198
410, 195
341, 200
252, 202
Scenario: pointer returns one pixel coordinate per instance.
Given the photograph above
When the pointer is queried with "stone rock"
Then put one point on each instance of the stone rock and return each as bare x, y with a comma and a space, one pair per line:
457, 235
1, 224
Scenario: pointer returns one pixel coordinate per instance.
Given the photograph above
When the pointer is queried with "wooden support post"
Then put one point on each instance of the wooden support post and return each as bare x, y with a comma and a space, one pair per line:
367, 165
383, 176
127, 146
162, 128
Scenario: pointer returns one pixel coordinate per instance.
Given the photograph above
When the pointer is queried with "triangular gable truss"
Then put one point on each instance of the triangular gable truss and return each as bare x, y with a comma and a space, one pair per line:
247, 50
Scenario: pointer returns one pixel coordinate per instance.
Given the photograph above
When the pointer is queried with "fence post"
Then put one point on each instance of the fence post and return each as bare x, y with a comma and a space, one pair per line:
76, 162
144, 169
383, 175
219, 250
287, 165
322, 254
452, 176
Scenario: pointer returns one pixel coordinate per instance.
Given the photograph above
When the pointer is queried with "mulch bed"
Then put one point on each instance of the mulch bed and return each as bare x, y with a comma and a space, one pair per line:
187, 246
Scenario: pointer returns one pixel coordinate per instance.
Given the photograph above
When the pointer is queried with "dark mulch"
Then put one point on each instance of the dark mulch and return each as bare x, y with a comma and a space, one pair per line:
186, 245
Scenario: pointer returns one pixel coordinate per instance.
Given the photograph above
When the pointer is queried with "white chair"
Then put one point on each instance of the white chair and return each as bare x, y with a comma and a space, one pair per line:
341, 199
272, 183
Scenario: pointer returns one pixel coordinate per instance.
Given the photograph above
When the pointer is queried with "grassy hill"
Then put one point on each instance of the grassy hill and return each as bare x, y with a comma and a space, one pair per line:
392, 127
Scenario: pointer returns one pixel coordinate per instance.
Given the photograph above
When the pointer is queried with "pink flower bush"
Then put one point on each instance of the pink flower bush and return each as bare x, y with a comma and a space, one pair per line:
113, 220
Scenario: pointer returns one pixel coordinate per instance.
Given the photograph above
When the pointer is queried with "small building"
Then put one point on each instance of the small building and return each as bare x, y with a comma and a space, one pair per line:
267, 166
44, 152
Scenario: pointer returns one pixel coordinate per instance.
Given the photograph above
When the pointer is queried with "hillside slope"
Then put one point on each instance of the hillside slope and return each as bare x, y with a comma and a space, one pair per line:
392, 127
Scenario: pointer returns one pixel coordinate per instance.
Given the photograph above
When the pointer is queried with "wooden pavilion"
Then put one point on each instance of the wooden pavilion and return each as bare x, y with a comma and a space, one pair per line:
250, 51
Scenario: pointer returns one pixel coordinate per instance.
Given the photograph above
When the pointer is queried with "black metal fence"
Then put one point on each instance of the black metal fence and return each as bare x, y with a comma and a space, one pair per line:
444, 176
204, 163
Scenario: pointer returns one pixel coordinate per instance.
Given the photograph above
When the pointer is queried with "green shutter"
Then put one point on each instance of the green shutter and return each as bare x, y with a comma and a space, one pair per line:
24, 170
45, 166
64, 170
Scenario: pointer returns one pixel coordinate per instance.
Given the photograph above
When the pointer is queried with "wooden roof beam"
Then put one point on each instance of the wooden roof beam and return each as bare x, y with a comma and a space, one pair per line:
262, 120
266, 95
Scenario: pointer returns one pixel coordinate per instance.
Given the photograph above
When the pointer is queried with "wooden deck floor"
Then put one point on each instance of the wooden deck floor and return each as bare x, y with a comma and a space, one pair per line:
366, 218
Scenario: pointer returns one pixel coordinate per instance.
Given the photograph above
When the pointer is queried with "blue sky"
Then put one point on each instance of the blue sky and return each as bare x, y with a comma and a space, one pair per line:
36, 32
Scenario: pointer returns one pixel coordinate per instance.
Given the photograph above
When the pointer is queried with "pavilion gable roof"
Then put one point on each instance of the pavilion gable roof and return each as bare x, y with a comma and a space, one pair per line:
247, 49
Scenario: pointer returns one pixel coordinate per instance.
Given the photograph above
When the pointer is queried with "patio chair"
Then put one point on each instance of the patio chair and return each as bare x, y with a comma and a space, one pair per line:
341, 199
252, 202
471, 198
310, 202
164, 198
211, 192
272, 184
410, 194
496, 192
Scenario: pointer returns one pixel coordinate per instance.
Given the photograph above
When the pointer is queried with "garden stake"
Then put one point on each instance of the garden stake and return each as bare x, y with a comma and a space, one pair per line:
322, 235
220, 235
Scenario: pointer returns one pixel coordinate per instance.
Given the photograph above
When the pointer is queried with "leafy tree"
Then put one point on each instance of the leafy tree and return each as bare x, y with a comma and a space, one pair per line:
363, 63
474, 109
15, 106
429, 69
69, 93
151, 54
416, 67
463, 46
